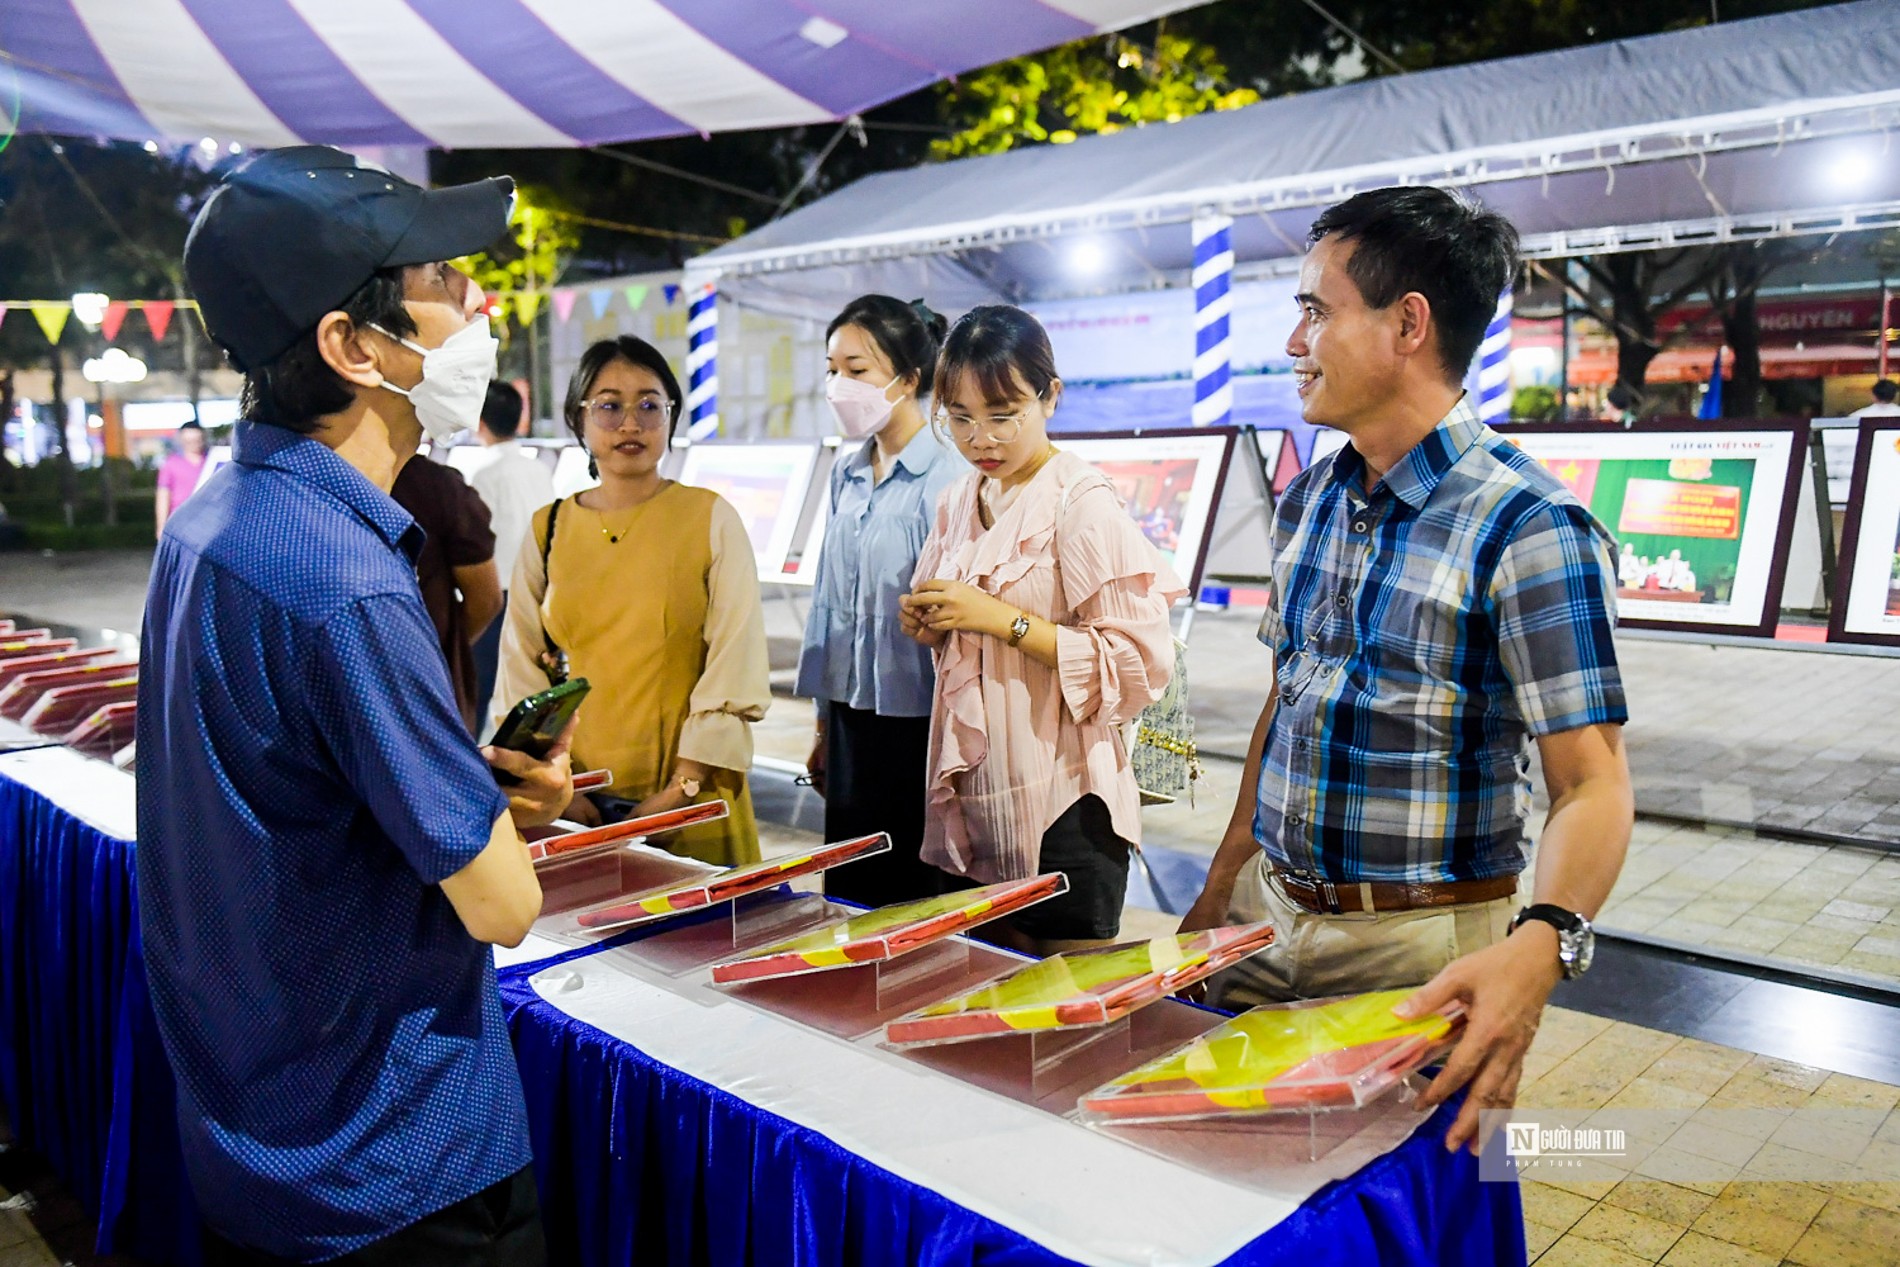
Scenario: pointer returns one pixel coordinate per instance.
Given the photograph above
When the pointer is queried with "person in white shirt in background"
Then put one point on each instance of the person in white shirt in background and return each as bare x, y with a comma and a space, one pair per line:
1885, 402
514, 484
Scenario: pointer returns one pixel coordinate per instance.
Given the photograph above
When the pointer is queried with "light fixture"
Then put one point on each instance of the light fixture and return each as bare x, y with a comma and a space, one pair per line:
823, 32
1852, 169
90, 307
209, 145
1088, 257
116, 365
151, 147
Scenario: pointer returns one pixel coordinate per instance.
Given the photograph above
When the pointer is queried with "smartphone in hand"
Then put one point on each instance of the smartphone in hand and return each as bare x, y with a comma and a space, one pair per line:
536, 722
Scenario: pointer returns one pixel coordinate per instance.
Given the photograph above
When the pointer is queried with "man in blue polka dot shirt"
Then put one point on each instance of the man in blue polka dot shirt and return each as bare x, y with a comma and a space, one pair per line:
323, 855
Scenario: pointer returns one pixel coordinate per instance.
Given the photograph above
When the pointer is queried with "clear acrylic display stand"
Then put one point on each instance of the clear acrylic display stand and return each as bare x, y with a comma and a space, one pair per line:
858, 1000
693, 941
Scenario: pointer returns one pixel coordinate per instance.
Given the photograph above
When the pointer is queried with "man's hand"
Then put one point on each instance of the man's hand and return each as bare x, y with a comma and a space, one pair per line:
544, 788
582, 810
1503, 988
1210, 908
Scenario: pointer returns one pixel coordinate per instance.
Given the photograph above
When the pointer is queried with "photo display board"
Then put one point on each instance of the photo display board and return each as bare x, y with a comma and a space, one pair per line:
1867, 584
1703, 518
1170, 480
765, 483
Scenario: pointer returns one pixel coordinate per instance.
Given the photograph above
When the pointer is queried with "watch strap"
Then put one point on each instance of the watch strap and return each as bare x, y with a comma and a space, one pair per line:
1556, 916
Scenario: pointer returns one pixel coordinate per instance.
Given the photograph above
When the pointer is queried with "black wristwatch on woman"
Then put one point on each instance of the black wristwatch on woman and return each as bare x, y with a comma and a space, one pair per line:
1576, 940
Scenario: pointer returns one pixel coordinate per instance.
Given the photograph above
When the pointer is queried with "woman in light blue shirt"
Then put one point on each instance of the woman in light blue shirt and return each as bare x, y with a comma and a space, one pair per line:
872, 684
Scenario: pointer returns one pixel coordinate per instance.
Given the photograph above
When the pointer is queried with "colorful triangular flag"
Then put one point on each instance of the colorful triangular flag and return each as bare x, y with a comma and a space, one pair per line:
114, 318
158, 315
564, 303
51, 314
600, 297
528, 304
672, 294
3, 313
636, 296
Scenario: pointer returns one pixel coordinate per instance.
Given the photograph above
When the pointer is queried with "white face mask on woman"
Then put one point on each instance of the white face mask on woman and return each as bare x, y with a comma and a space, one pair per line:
455, 379
861, 407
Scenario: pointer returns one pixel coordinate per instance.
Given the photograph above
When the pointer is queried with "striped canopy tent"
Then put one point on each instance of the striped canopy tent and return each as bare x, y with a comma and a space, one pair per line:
498, 73
1762, 128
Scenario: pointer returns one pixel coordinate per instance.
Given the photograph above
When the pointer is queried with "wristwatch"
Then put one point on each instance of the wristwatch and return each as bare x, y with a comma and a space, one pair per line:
1019, 628
689, 786
1576, 940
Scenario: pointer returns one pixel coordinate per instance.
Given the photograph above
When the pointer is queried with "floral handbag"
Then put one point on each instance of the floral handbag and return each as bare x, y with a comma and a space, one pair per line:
1164, 756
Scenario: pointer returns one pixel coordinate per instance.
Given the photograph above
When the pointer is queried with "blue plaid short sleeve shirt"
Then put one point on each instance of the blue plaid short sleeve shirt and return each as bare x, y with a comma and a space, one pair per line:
1423, 634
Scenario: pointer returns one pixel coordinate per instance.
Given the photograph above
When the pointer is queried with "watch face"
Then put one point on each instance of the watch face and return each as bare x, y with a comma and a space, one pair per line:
1579, 948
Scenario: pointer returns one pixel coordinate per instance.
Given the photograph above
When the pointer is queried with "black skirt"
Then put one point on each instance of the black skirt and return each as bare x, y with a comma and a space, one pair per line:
875, 770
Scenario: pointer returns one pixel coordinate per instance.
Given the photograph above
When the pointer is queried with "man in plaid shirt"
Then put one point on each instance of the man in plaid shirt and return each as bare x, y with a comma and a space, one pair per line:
1437, 602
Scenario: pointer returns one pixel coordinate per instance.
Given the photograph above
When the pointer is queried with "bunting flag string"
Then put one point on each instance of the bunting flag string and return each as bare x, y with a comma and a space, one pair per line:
564, 303
158, 315
636, 297
113, 319
600, 297
51, 314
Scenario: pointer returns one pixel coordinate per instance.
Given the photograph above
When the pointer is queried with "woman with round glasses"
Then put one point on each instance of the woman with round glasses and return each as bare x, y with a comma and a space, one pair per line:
649, 590
1048, 611
871, 683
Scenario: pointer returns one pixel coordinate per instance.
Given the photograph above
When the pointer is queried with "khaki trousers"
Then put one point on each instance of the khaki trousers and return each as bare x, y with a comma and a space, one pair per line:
1316, 956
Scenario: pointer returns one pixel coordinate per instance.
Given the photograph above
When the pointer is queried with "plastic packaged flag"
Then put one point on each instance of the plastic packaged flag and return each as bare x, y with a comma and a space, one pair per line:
60, 709
723, 886
890, 931
1082, 988
1315, 1054
582, 844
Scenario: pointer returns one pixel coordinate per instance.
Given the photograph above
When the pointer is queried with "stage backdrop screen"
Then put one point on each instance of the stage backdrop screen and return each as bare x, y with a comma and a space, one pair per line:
1867, 586
1702, 519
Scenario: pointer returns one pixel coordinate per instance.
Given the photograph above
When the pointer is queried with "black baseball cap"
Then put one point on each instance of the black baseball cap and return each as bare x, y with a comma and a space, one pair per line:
292, 233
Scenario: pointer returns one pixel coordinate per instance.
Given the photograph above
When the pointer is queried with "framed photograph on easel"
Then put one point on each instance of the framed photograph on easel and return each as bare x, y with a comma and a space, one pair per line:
1867, 580
1703, 514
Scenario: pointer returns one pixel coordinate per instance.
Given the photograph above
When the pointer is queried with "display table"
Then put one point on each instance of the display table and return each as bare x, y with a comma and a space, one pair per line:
670, 1125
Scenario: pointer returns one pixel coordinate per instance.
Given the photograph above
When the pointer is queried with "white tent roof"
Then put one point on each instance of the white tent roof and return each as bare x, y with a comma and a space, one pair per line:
1756, 128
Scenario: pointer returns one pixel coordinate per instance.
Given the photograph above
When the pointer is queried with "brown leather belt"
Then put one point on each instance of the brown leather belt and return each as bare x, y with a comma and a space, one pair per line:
1326, 897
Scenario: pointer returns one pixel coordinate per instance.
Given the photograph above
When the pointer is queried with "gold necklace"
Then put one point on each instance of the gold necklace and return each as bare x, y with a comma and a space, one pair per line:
613, 538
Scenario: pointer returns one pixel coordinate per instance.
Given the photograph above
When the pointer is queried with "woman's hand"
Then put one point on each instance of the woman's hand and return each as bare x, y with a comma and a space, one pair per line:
815, 763
911, 622
945, 606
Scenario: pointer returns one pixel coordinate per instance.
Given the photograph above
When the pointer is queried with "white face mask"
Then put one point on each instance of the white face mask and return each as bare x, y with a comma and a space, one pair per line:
860, 407
455, 379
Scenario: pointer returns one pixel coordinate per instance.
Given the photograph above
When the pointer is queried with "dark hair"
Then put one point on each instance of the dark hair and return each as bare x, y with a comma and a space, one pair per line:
1885, 390
501, 412
999, 345
193, 425
599, 356
299, 387
1438, 242
1621, 397
908, 334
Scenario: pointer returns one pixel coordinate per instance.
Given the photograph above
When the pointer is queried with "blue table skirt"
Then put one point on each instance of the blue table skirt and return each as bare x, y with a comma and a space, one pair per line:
623, 1145
639, 1163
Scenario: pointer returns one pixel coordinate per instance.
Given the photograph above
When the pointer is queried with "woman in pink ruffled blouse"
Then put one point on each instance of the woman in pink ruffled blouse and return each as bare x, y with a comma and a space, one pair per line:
1048, 611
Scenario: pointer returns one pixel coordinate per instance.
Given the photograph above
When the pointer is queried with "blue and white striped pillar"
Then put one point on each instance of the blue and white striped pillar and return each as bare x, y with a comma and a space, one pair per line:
1213, 306
702, 363
1494, 365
